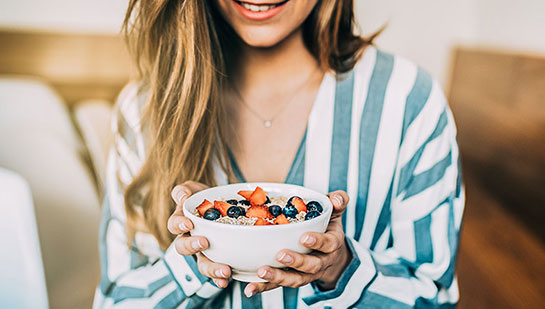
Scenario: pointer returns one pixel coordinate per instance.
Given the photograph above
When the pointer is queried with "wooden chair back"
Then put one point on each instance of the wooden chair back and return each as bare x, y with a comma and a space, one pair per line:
78, 66
498, 100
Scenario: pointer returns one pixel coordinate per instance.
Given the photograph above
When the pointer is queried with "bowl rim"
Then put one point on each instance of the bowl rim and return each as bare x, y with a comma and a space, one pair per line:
328, 208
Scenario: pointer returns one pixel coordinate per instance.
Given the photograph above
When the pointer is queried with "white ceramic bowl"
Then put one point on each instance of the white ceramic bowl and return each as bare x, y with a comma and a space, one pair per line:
246, 248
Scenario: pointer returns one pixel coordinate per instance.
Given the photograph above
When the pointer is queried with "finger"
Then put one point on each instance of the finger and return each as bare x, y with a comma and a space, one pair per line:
258, 287
339, 199
221, 283
323, 242
189, 245
186, 189
179, 192
194, 186
306, 263
179, 224
289, 278
219, 272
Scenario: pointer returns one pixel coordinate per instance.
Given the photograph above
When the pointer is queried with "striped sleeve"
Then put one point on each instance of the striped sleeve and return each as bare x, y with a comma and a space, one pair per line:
417, 267
130, 278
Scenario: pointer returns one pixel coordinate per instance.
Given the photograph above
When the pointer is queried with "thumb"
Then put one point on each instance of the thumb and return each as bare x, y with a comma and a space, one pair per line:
180, 192
339, 199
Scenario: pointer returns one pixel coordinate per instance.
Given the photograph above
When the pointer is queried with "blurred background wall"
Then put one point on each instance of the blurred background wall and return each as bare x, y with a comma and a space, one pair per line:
64, 60
97, 16
422, 30
425, 31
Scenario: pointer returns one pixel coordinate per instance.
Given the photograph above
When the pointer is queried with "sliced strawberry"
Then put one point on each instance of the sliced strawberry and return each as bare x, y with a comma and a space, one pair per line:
204, 206
245, 194
258, 197
258, 211
281, 219
299, 204
261, 221
222, 207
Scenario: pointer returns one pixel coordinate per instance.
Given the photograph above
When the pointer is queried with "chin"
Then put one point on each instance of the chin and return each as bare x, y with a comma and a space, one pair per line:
262, 37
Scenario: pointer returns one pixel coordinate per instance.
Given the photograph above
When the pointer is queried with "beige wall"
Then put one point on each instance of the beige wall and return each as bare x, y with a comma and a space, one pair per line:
425, 31
518, 25
422, 30
96, 16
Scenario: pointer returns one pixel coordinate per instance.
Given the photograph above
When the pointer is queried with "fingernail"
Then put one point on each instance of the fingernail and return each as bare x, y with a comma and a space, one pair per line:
175, 193
338, 200
178, 193
220, 273
249, 292
285, 258
263, 273
183, 226
309, 240
196, 245
217, 282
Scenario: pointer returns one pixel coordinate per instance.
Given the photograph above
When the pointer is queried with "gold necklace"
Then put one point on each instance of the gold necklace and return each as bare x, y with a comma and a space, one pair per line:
267, 122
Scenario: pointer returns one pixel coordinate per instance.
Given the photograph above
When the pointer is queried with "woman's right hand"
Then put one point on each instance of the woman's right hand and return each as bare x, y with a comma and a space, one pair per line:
188, 245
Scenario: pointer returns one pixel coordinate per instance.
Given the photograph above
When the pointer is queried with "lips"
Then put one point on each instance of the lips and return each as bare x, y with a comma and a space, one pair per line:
259, 7
259, 11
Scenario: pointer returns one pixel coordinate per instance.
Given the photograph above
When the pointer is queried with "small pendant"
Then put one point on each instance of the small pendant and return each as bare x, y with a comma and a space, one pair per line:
267, 123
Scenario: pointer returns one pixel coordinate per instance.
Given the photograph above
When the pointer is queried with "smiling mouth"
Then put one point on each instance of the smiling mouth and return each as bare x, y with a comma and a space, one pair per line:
260, 7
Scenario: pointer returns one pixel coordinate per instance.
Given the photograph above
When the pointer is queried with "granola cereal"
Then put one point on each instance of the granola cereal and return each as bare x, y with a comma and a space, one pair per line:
257, 208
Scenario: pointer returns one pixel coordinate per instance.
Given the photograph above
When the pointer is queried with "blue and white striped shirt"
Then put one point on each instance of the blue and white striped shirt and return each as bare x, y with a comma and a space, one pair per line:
385, 134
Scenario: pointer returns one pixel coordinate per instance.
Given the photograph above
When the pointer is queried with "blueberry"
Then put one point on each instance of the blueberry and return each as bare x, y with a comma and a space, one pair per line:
290, 211
234, 212
291, 198
275, 210
212, 214
311, 215
314, 206
268, 200
233, 202
242, 211
244, 202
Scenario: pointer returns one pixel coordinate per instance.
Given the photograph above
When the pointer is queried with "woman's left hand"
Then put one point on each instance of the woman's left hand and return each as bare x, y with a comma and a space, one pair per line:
325, 263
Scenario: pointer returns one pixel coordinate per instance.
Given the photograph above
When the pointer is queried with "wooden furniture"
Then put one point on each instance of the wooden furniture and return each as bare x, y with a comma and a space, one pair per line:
498, 101
501, 262
78, 66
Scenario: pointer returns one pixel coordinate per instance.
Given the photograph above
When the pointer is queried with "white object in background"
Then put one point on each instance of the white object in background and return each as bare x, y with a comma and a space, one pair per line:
93, 119
22, 284
38, 141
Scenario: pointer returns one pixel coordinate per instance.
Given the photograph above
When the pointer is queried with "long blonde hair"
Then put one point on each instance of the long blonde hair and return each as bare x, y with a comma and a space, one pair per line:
184, 51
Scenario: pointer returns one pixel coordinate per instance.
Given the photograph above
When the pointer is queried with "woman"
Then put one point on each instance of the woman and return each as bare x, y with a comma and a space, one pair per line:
279, 91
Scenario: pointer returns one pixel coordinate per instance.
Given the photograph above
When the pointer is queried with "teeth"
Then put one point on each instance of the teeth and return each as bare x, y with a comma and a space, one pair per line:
257, 8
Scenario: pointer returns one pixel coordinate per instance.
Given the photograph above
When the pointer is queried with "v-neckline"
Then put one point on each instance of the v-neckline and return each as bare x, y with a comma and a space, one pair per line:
297, 161
299, 155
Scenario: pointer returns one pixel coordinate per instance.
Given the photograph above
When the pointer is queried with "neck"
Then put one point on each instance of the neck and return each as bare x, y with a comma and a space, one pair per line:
265, 71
